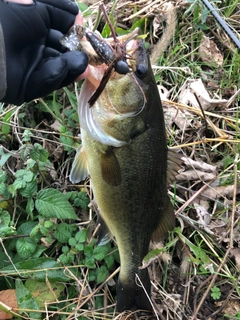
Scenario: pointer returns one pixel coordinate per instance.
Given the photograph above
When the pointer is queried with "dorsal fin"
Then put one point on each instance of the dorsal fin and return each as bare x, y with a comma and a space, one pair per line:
174, 162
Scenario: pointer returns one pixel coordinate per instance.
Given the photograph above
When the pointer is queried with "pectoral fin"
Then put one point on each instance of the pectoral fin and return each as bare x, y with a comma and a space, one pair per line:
166, 223
79, 170
110, 169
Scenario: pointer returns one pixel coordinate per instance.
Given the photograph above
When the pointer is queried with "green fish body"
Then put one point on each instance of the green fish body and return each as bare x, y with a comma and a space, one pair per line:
124, 151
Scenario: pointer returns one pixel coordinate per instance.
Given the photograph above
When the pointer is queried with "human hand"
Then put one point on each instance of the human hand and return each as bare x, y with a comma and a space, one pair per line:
36, 62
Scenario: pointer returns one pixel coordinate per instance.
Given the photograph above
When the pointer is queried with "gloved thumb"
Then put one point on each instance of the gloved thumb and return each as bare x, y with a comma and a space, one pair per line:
55, 73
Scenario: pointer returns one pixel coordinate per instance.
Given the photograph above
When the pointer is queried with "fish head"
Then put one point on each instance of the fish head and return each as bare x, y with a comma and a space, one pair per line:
117, 114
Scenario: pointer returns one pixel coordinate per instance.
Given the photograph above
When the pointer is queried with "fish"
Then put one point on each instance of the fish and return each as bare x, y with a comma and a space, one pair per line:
124, 151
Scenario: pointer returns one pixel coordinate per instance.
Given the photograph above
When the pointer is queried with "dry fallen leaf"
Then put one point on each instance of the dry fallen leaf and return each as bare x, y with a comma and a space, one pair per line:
193, 175
236, 254
232, 308
195, 87
200, 165
208, 52
221, 191
9, 299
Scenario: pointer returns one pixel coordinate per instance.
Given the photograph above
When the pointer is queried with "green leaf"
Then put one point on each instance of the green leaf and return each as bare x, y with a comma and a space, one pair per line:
72, 98
66, 258
26, 300
37, 152
63, 232
41, 290
100, 252
56, 107
5, 219
30, 206
92, 275
109, 259
39, 269
24, 151
79, 247
25, 247
140, 23
216, 293
27, 134
38, 252
88, 250
90, 262
102, 274
4, 191
82, 200
72, 242
51, 203
5, 126
65, 249
29, 190
81, 236
26, 227
3, 176
84, 9
23, 176
67, 141
4, 157
200, 255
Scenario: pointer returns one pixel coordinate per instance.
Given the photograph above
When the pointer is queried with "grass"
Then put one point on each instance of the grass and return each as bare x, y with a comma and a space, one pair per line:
48, 254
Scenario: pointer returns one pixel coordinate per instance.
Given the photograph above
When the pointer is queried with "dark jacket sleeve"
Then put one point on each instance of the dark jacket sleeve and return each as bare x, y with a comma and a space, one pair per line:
3, 74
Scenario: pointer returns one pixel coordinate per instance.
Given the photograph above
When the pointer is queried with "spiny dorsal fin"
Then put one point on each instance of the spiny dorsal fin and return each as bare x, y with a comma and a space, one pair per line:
79, 171
110, 169
174, 164
166, 223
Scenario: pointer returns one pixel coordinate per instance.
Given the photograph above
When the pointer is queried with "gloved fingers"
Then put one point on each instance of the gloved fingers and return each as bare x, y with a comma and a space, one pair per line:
62, 13
77, 64
53, 41
65, 5
55, 73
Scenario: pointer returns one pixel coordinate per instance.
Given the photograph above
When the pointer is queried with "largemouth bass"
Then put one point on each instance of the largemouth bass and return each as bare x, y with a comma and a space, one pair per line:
124, 150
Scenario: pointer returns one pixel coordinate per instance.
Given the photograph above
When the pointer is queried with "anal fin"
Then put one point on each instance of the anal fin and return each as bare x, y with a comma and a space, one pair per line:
166, 223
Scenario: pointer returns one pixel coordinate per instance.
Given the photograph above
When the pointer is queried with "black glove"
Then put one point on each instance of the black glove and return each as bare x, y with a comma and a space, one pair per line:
36, 62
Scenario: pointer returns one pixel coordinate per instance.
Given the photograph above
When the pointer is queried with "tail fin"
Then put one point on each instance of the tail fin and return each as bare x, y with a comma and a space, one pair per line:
132, 296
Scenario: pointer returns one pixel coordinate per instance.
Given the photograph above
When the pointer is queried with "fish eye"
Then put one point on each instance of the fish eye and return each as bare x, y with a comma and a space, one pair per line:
121, 67
141, 70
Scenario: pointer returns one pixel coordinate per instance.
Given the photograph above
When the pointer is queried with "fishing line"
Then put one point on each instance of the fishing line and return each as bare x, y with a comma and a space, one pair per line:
222, 23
